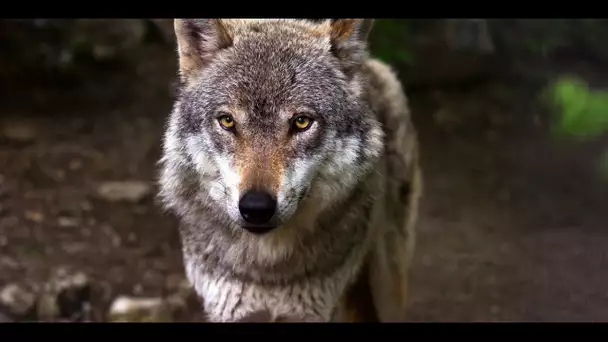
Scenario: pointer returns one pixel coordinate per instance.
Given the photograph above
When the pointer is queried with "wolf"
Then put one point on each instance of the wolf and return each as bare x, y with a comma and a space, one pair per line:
292, 164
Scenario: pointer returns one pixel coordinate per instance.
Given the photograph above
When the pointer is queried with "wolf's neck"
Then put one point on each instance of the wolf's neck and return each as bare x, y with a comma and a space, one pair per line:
229, 298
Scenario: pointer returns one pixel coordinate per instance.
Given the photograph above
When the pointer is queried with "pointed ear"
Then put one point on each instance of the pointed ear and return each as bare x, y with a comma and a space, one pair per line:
353, 30
349, 40
198, 40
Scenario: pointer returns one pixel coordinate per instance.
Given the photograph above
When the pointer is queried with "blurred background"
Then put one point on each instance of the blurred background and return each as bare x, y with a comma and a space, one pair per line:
511, 116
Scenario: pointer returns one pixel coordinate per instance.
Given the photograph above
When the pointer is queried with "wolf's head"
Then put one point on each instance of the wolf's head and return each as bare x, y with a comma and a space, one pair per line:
270, 112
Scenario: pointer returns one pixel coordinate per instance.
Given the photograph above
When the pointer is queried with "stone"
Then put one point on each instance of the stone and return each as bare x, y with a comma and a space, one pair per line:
47, 308
34, 216
64, 221
18, 300
129, 309
19, 131
131, 191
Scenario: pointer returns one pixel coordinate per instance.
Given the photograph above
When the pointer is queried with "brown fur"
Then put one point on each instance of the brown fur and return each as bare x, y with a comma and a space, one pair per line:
261, 168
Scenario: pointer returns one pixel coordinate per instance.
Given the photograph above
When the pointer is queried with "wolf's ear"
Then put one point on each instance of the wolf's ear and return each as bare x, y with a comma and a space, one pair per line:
349, 39
198, 40
350, 30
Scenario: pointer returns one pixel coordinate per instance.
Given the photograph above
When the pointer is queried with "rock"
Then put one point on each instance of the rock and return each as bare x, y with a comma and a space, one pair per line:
128, 309
6, 261
64, 221
47, 308
65, 296
34, 216
132, 191
19, 131
161, 309
18, 300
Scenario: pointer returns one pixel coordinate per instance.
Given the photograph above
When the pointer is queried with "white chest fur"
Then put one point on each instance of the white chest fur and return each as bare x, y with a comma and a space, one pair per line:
226, 299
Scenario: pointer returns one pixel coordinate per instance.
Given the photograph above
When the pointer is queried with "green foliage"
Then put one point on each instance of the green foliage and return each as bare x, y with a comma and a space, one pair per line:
389, 41
582, 113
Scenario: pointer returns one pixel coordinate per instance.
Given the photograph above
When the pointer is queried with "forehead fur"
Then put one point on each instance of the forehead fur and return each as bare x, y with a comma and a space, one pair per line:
273, 65
309, 31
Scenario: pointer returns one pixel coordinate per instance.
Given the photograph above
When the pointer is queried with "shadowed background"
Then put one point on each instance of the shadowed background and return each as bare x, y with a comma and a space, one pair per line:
511, 116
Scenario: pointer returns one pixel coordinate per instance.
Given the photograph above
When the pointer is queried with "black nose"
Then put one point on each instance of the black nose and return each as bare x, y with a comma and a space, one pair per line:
257, 207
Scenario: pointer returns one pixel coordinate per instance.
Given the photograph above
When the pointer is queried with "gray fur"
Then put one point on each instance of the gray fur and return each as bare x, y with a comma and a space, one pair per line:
331, 195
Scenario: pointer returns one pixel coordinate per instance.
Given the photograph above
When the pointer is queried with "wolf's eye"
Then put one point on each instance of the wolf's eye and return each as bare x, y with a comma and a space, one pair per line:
226, 121
302, 123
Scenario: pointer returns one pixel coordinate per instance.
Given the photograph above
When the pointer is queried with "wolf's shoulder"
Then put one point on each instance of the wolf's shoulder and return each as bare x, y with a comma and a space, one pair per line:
385, 92
389, 102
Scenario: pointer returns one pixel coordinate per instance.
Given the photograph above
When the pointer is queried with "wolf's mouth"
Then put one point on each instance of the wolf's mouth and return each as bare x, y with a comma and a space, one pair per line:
258, 229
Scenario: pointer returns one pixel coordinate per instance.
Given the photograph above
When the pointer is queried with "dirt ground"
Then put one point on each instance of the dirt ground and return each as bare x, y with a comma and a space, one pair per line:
513, 224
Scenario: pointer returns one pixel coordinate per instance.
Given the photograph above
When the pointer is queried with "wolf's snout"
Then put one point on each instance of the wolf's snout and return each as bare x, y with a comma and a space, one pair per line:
257, 207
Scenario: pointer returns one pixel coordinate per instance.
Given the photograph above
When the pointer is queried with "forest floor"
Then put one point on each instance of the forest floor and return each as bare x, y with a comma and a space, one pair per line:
512, 225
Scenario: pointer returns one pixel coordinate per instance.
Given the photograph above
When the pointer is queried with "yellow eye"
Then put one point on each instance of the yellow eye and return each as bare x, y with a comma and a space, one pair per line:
226, 121
302, 123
